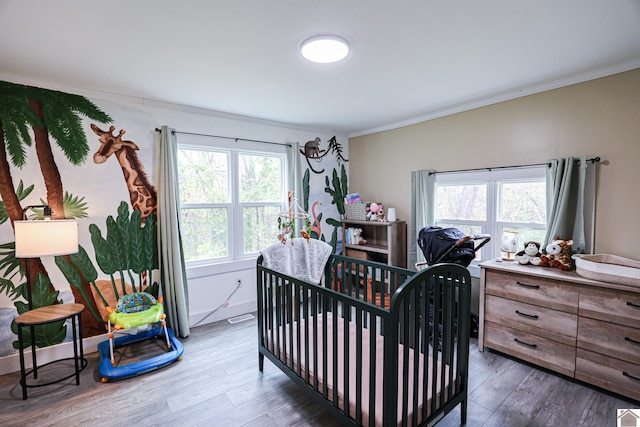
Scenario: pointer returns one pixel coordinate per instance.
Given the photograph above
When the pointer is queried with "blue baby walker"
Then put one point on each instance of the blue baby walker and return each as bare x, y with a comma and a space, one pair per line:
142, 313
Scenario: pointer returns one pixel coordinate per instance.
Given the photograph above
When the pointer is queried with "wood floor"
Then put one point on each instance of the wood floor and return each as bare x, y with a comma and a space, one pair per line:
217, 383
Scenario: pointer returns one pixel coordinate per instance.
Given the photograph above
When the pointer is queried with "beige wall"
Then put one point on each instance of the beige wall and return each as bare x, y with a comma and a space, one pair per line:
597, 118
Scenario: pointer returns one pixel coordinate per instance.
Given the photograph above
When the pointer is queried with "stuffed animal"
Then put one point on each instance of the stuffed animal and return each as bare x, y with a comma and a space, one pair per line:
558, 255
530, 255
373, 210
357, 237
381, 216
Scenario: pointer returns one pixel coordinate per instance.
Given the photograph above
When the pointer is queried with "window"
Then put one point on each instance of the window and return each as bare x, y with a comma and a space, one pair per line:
230, 195
509, 205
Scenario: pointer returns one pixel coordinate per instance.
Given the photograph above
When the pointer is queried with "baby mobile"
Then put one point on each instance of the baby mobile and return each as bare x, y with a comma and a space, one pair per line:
287, 220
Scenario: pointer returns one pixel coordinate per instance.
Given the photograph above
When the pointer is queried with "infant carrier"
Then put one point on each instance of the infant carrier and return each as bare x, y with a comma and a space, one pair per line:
448, 245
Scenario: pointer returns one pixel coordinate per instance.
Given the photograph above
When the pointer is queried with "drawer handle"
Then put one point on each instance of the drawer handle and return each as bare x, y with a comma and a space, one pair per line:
530, 316
525, 343
631, 340
530, 286
629, 303
633, 377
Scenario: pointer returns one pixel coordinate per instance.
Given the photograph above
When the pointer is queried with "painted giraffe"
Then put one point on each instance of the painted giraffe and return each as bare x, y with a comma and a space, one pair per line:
142, 194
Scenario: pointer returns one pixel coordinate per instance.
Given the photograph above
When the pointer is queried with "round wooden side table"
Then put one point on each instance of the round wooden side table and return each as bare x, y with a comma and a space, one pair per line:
42, 316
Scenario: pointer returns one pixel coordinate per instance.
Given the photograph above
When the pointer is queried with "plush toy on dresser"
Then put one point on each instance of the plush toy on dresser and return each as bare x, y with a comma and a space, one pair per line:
558, 255
530, 255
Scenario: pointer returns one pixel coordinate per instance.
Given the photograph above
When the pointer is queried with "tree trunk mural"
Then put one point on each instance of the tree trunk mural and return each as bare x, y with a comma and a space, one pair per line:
53, 183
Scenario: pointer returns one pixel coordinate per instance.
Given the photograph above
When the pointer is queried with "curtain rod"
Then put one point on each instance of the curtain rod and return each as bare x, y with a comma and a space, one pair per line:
227, 137
592, 160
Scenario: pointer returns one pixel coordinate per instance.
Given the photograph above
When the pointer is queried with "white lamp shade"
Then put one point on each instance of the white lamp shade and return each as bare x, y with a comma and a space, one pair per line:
36, 239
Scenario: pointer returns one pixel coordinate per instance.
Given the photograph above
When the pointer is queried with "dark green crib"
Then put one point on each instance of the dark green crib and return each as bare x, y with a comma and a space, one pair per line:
376, 345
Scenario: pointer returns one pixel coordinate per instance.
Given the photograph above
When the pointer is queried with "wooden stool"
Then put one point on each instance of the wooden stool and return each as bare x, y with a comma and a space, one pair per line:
42, 316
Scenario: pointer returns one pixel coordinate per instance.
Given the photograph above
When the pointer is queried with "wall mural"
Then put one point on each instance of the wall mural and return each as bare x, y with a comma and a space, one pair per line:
336, 188
312, 151
44, 148
46, 141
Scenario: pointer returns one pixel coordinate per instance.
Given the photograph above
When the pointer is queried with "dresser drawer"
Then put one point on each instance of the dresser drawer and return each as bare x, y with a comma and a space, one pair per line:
611, 305
609, 373
619, 341
532, 348
534, 290
552, 324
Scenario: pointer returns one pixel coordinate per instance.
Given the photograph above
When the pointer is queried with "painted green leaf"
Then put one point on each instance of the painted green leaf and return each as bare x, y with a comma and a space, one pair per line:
70, 273
83, 262
306, 189
45, 335
150, 243
117, 243
136, 239
102, 250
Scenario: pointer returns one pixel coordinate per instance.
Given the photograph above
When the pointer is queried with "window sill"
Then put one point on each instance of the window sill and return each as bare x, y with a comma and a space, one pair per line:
194, 272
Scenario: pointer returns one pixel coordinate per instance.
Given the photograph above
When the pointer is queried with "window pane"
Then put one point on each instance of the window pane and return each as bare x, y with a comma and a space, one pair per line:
462, 202
260, 227
520, 235
523, 202
260, 178
203, 176
204, 233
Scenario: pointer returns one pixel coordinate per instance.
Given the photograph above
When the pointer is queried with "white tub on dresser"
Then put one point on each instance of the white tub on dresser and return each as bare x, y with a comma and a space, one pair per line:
582, 328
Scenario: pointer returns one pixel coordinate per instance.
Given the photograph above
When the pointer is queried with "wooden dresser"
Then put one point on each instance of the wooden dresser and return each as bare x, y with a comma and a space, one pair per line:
578, 327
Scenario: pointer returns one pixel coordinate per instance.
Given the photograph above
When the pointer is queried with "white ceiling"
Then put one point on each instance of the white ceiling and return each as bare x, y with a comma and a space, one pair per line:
410, 60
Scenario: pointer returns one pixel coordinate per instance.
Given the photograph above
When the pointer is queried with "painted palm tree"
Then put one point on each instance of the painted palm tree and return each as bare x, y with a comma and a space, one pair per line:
50, 115
16, 119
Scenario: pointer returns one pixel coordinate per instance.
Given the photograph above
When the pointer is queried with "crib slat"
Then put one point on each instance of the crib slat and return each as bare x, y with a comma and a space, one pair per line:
372, 369
359, 356
346, 315
336, 359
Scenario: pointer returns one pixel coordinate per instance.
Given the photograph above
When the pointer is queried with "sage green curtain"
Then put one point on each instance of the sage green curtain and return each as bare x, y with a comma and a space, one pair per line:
571, 187
423, 213
172, 268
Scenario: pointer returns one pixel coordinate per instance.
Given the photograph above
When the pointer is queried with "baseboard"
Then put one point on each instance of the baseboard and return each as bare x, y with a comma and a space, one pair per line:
9, 364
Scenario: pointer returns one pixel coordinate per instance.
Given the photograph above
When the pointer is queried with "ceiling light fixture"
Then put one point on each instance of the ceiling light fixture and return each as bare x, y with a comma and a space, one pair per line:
325, 49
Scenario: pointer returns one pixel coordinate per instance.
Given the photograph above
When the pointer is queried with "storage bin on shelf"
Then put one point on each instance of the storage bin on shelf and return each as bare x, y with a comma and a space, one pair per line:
357, 212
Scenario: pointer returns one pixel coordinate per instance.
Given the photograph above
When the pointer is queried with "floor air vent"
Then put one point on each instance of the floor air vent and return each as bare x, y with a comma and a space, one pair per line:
239, 319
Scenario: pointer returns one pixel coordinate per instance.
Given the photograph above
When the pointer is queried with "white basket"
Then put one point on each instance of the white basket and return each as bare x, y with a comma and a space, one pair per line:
608, 268
357, 212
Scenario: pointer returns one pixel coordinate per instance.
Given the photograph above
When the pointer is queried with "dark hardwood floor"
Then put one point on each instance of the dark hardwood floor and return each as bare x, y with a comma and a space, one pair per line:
218, 383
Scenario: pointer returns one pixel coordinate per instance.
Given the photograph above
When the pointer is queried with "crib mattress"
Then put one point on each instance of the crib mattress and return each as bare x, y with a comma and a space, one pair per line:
608, 268
307, 368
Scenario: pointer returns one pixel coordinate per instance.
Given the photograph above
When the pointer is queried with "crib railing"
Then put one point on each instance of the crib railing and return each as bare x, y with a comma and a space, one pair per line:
367, 312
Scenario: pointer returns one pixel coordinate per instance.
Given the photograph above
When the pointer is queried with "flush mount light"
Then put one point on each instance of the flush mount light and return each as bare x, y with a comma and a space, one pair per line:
325, 49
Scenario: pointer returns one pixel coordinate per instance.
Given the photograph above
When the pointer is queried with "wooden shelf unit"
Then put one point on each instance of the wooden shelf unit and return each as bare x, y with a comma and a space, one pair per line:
582, 328
386, 242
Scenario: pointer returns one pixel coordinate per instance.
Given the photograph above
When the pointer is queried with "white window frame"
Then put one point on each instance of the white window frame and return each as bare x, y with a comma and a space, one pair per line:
493, 180
236, 259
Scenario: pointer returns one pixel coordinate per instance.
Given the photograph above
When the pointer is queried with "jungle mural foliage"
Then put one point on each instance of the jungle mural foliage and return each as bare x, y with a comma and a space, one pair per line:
128, 249
51, 116
47, 122
43, 132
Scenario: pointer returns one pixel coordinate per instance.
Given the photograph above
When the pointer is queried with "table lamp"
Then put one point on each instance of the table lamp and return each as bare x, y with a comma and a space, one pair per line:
48, 237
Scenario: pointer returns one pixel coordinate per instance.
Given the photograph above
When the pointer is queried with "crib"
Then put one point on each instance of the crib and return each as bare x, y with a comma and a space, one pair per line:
370, 342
